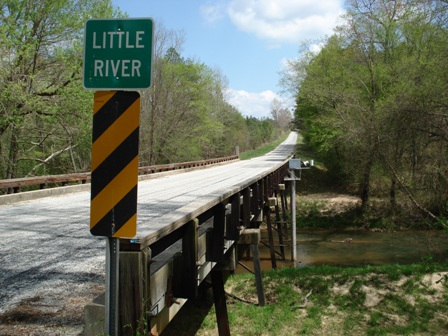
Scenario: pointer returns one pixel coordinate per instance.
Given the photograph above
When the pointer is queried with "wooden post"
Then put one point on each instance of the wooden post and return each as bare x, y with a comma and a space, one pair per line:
284, 209
284, 200
270, 237
217, 235
246, 207
246, 219
252, 237
133, 293
219, 297
279, 228
233, 230
255, 203
190, 259
258, 277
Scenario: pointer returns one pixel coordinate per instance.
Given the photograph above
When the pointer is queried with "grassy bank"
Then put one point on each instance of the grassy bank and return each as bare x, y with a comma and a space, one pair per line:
263, 149
383, 300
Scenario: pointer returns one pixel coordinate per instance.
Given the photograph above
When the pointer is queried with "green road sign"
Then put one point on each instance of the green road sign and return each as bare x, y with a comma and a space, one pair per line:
118, 54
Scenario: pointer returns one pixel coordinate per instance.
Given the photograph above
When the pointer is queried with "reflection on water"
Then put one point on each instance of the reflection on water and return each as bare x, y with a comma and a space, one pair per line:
370, 248
324, 247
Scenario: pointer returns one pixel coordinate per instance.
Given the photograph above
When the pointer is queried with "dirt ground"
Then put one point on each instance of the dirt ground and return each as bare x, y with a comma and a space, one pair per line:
330, 202
57, 314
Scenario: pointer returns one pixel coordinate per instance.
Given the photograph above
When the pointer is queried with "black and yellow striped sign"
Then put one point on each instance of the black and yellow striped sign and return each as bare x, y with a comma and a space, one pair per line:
116, 120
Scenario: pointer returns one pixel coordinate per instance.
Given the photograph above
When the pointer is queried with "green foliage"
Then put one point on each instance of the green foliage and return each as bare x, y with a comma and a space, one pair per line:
45, 115
373, 102
258, 132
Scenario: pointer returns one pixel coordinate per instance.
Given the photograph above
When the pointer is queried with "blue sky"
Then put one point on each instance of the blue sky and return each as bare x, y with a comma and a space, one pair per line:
247, 40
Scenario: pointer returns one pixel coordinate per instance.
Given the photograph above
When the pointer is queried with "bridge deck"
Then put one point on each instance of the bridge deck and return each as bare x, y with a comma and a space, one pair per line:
47, 252
171, 201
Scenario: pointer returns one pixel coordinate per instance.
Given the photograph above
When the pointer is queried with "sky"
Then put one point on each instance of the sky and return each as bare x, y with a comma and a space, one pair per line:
248, 41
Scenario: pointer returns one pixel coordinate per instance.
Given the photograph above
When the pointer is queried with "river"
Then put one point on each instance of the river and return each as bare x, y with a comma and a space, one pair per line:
327, 247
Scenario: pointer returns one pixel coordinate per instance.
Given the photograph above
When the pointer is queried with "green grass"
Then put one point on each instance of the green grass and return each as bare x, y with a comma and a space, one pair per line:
338, 303
262, 150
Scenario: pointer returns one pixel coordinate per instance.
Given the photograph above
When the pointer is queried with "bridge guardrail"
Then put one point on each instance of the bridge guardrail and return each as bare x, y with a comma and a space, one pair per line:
15, 185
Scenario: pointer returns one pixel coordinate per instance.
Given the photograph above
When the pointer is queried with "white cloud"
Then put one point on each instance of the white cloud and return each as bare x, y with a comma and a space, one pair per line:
252, 104
280, 21
212, 12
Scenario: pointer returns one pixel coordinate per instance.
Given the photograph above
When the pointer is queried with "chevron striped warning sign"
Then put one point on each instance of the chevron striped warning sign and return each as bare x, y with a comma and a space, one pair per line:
116, 120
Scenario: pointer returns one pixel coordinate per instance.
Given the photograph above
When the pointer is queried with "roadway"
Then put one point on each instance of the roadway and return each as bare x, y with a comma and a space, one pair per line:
50, 264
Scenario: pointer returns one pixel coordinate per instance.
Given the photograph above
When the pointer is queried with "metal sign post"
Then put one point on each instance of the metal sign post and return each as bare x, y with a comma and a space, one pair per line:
293, 217
112, 274
294, 164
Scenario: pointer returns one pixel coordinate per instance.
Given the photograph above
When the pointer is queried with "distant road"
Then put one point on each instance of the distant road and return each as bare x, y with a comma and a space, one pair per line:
50, 264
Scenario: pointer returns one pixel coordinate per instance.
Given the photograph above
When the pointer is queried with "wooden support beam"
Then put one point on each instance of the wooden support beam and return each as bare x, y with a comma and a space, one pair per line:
133, 291
252, 237
190, 255
270, 237
279, 229
219, 296
246, 207
185, 267
232, 228
216, 241
264, 191
258, 277
284, 210
255, 207
283, 191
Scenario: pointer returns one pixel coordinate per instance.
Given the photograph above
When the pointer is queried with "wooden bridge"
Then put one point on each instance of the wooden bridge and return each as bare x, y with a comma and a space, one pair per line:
187, 228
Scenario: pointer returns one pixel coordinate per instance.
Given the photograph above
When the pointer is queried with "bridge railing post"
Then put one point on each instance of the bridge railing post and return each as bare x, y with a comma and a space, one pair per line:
185, 269
133, 292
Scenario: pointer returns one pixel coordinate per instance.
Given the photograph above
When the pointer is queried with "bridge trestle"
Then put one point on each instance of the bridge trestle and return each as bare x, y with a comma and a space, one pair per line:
158, 276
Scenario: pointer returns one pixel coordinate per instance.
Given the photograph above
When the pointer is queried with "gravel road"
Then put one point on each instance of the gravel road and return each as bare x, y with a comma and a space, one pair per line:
50, 264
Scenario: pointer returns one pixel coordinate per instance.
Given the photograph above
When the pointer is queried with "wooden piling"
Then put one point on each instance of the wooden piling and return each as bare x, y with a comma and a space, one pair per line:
270, 237
219, 297
252, 237
284, 210
279, 223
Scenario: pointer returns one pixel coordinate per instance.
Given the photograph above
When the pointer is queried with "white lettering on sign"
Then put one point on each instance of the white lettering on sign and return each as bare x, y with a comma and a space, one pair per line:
117, 40
123, 68
120, 39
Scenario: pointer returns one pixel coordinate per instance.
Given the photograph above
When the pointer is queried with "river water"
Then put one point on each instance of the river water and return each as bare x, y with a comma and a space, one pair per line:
326, 247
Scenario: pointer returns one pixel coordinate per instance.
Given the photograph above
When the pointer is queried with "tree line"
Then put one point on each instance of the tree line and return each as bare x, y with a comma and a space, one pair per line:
373, 103
46, 115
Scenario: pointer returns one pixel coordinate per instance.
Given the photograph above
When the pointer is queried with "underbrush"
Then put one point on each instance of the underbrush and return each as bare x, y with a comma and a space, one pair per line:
323, 204
339, 211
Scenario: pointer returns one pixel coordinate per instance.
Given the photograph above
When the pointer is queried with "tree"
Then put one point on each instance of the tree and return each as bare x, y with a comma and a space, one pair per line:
185, 116
281, 115
374, 100
44, 112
